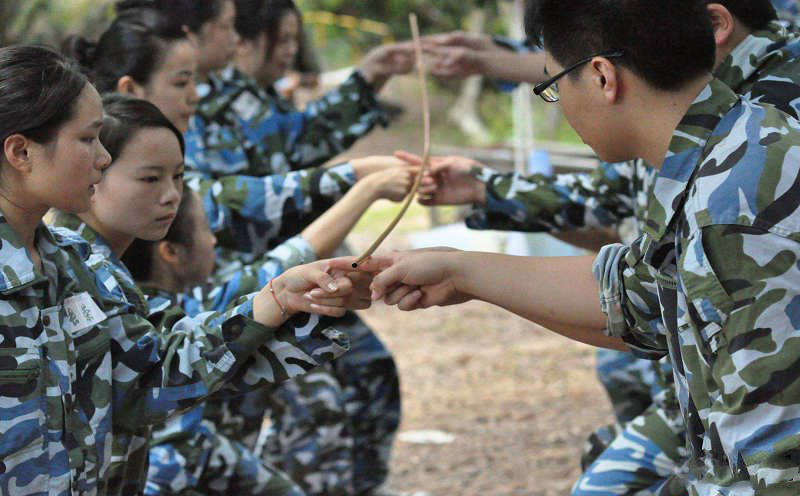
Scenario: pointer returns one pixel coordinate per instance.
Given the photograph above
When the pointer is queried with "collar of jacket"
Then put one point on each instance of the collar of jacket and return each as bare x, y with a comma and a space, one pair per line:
685, 153
222, 89
18, 269
756, 53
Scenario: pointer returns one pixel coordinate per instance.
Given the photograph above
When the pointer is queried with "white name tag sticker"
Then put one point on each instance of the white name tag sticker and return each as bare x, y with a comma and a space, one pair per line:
81, 313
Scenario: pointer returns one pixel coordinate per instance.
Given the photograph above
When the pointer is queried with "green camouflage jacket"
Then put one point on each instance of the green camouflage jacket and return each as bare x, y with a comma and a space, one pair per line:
713, 283
140, 372
242, 129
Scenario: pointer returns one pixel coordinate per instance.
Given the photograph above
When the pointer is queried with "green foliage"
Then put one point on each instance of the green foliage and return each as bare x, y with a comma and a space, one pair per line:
442, 15
49, 21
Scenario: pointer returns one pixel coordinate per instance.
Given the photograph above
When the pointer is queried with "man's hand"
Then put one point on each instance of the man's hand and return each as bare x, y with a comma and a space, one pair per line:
448, 181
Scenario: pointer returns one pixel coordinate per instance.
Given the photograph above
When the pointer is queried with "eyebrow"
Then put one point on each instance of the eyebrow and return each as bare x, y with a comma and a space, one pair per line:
184, 73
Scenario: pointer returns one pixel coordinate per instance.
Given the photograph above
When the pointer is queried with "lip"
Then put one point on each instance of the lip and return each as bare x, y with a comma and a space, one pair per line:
166, 218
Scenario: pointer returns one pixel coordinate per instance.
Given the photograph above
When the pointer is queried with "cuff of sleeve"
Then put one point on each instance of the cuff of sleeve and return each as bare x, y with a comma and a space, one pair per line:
243, 335
335, 178
499, 210
367, 97
302, 252
606, 271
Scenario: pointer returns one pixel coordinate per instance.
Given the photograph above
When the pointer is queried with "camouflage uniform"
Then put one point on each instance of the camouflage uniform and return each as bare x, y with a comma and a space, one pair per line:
146, 371
181, 449
712, 283
787, 9
765, 67
242, 129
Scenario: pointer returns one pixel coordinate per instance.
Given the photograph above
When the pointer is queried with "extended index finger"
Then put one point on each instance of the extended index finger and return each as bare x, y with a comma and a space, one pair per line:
371, 264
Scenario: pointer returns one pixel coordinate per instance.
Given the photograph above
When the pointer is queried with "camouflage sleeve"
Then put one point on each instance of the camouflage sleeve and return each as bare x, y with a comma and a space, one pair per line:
330, 125
629, 298
567, 201
169, 361
221, 291
742, 286
237, 206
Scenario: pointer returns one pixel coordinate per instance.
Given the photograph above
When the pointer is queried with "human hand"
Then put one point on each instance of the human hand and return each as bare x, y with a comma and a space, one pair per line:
458, 54
391, 184
413, 279
448, 181
290, 294
385, 61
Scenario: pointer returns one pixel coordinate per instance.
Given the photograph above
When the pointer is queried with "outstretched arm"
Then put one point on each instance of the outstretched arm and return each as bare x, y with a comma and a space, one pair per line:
559, 293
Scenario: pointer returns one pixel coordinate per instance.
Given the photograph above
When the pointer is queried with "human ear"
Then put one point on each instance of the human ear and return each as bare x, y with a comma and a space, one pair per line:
605, 78
171, 253
128, 86
16, 150
722, 22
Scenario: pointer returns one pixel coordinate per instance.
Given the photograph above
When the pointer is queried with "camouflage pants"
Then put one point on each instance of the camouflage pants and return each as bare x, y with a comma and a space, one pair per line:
368, 375
333, 429
212, 464
647, 457
630, 382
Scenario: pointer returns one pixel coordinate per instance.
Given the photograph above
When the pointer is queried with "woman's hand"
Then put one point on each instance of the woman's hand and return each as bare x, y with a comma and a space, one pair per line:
289, 294
391, 184
385, 61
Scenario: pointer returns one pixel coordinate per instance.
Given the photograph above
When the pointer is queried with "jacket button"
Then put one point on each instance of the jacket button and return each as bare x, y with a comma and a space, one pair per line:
46, 320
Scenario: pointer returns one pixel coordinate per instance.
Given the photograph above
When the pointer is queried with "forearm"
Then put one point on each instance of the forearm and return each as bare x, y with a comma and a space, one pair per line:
559, 293
327, 232
520, 67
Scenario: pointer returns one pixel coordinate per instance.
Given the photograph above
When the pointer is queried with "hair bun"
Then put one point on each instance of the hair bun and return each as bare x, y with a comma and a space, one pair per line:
124, 5
80, 49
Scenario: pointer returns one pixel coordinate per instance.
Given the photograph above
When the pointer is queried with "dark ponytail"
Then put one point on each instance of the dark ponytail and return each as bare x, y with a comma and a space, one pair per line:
193, 14
134, 45
39, 89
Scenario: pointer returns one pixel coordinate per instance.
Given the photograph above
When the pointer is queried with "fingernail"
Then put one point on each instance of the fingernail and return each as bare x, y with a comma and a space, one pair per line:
332, 286
374, 295
308, 296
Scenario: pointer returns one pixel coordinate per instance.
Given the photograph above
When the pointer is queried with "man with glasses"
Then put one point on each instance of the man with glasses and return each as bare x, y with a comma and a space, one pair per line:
755, 57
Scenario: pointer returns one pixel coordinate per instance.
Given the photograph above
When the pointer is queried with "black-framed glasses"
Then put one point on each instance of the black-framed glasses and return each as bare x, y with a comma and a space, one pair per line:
548, 90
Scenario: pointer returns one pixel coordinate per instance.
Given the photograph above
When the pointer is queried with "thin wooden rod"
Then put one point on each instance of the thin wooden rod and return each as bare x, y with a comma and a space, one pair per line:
426, 151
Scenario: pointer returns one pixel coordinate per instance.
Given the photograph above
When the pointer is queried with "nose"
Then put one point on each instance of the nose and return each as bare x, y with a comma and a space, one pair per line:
103, 157
173, 193
213, 239
193, 97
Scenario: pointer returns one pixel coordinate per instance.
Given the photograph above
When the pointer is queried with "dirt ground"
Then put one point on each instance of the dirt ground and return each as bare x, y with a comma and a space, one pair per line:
519, 400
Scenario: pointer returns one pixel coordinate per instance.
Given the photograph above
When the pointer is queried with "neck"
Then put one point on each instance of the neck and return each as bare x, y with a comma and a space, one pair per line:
23, 219
119, 242
658, 114
163, 278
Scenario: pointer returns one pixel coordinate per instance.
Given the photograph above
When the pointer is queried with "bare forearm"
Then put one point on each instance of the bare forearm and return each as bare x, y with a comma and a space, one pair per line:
513, 66
559, 293
327, 232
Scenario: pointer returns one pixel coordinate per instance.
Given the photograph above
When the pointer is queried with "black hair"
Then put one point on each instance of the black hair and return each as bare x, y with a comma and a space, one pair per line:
254, 17
667, 44
140, 255
39, 89
134, 45
190, 13
124, 116
754, 14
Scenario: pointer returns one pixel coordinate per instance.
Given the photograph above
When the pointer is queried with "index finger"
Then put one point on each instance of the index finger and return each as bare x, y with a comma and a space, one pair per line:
371, 264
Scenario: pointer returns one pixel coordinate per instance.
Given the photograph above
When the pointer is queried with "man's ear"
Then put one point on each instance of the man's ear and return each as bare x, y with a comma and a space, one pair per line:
128, 86
722, 22
606, 78
17, 152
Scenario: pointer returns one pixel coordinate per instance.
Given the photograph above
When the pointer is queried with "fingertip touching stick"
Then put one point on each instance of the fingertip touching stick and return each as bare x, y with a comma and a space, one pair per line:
426, 151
